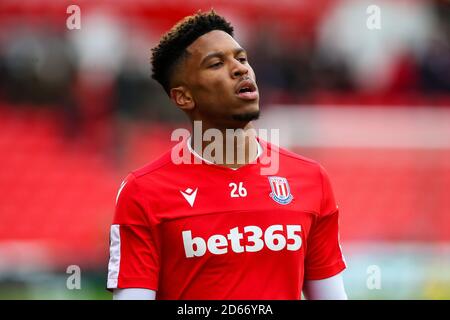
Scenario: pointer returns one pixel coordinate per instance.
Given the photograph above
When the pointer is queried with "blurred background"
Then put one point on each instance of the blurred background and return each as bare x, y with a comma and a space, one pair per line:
79, 110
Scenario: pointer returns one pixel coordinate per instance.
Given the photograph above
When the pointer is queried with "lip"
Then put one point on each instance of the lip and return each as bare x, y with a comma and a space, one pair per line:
251, 95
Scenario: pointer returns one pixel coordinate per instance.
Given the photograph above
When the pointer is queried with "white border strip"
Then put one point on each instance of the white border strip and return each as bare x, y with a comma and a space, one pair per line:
114, 257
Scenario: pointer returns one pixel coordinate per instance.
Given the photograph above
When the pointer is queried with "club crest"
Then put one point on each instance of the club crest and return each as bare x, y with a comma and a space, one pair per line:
281, 192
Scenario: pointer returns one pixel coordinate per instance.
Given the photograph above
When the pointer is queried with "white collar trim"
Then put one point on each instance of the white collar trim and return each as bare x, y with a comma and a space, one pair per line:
260, 150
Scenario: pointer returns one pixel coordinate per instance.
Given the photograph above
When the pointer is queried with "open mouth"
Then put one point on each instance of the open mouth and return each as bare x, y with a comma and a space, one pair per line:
247, 90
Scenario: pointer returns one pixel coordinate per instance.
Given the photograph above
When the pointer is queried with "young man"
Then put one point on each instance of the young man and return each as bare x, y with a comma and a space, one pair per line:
216, 226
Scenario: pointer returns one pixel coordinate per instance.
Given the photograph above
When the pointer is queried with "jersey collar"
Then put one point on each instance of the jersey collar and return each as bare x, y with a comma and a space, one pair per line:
188, 142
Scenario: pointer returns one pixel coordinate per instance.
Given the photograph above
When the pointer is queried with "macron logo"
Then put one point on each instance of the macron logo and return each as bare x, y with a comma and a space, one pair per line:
189, 195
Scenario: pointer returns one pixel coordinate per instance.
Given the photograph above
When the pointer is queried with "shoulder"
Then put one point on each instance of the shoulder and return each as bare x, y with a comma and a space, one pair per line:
297, 165
142, 177
158, 164
312, 171
290, 156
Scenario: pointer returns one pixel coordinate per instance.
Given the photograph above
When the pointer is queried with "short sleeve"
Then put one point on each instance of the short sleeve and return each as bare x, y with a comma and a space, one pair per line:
134, 253
324, 255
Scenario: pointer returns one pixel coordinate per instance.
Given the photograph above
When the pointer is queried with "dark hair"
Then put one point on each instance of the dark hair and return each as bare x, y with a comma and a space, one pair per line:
172, 45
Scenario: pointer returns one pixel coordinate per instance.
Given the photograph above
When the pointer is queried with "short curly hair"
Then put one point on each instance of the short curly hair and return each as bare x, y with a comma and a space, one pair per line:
172, 45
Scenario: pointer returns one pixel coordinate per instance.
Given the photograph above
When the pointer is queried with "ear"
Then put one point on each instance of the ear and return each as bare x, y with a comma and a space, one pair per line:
182, 98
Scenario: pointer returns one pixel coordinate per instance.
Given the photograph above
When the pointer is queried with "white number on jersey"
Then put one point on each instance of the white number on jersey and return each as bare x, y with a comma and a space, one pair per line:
241, 191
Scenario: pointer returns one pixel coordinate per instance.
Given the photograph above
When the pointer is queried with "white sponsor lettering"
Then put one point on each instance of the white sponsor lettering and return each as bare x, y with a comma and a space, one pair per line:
274, 238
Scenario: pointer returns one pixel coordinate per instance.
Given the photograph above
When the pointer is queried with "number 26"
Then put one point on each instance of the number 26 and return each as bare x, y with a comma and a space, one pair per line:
241, 191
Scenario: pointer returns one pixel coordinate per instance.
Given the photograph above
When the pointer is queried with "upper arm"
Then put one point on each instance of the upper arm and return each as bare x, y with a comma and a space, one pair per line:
326, 289
134, 294
324, 257
134, 253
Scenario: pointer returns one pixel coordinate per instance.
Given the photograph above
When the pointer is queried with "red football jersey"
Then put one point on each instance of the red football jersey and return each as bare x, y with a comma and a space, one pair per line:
205, 231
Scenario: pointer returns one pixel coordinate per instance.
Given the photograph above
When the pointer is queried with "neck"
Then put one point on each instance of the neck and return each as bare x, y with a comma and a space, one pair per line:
232, 148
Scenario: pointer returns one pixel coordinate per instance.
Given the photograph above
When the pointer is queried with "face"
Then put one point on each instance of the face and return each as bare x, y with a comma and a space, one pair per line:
216, 82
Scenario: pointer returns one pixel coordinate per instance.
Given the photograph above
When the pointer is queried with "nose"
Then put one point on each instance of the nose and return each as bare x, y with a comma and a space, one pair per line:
238, 69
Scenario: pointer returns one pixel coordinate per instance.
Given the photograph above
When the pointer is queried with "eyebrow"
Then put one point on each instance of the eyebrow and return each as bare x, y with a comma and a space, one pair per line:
220, 54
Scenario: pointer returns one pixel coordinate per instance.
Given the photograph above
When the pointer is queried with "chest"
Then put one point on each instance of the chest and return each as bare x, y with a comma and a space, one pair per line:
191, 195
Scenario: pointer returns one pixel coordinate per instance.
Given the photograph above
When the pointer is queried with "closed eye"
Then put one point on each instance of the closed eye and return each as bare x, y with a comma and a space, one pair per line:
215, 65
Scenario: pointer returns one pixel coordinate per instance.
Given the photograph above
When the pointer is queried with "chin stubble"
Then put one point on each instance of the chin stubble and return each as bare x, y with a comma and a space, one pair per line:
249, 116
